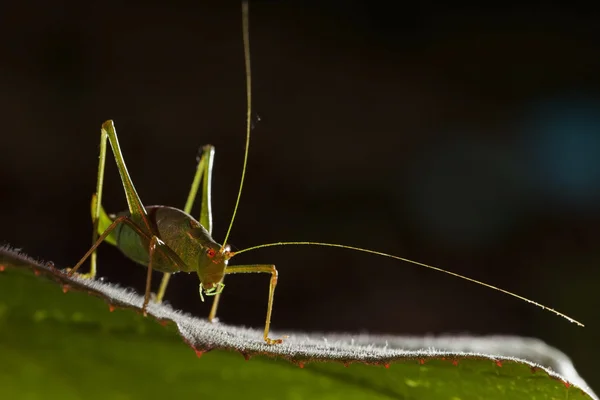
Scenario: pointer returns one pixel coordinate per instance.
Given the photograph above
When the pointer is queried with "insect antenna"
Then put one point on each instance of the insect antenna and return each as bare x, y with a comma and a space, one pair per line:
246, 39
411, 262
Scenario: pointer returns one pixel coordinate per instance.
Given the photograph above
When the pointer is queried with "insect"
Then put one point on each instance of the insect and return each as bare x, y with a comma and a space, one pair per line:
170, 240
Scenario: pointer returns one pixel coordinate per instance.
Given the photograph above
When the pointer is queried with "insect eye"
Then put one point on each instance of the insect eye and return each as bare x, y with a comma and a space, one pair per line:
211, 253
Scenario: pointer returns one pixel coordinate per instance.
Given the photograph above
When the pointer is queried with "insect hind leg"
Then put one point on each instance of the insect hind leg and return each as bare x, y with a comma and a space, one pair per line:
204, 175
97, 206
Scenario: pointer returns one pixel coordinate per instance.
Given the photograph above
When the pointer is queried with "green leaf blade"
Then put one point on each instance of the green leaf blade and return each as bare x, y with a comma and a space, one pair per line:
71, 346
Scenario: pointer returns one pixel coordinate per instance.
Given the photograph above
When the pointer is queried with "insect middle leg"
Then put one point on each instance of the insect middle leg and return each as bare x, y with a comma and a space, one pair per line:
204, 174
265, 268
155, 244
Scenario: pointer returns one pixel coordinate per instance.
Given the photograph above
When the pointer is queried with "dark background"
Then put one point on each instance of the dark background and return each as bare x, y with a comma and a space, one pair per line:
464, 137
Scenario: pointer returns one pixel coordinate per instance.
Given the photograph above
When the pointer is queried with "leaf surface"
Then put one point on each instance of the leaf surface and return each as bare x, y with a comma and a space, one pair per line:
70, 346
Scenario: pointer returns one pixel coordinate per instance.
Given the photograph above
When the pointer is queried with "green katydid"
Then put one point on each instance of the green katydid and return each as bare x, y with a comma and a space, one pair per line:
170, 240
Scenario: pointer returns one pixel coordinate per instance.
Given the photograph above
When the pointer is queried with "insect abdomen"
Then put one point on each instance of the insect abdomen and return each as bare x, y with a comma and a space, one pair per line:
171, 225
132, 245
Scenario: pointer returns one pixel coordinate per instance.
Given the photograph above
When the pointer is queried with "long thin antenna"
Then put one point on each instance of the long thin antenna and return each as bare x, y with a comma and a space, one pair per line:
246, 38
411, 262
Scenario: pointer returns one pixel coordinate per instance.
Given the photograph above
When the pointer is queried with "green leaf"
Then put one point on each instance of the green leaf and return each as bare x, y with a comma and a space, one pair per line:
70, 346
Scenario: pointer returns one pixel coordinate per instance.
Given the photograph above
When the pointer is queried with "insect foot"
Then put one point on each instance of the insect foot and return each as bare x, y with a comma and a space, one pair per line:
270, 341
71, 272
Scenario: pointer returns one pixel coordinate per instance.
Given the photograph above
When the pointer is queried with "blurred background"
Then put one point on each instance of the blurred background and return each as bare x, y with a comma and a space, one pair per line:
463, 137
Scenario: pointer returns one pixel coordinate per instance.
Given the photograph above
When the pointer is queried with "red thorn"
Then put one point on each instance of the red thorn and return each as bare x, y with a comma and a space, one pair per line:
163, 322
300, 364
111, 307
246, 356
2, 268
198, 353
422, 361
346, 364
567, 384
499, 363
534, 369
65, 288
387, 365
443, 358
36, 272
455, 362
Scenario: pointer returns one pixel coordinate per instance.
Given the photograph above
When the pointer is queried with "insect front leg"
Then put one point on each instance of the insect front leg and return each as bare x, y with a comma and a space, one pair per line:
265, 268
203, 174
